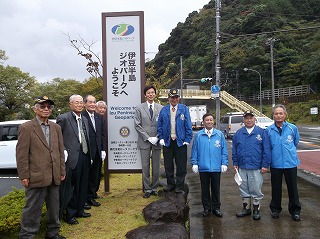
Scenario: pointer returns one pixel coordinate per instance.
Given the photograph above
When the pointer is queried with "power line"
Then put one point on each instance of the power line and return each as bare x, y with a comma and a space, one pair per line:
270, 32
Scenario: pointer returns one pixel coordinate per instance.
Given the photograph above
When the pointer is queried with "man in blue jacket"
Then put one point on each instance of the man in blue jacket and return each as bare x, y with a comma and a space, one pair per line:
175, 133
284, 138
251, 155
209, 156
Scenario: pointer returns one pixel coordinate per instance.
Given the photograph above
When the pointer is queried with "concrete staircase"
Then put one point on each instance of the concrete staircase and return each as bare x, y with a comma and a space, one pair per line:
238, 105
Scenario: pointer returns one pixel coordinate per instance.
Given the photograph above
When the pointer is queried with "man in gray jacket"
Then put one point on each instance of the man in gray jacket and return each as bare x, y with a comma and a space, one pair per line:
145, 121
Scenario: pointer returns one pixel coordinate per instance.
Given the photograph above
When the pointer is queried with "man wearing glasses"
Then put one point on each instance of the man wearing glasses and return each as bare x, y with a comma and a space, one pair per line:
41, 168
75, 131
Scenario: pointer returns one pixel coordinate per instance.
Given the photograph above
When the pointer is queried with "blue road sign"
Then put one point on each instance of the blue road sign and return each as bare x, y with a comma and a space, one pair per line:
215, 89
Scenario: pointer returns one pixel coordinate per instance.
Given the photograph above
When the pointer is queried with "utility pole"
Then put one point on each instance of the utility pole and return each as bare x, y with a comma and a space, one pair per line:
271, 42
217, 61
181, 79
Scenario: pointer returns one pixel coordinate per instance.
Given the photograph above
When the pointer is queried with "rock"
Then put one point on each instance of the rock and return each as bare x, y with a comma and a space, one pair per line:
159, 231
172, 208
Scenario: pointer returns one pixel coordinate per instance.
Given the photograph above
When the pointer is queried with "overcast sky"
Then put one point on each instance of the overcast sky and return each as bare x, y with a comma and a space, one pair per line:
31, 30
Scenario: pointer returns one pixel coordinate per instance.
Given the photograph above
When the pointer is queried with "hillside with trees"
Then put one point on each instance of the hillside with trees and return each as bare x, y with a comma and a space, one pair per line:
246, 28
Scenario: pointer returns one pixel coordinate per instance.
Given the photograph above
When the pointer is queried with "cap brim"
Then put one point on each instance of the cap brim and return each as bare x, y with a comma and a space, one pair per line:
42, 101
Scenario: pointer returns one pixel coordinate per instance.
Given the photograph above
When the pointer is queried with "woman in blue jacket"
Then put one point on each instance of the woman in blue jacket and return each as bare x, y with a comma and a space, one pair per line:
209, 157
284, 138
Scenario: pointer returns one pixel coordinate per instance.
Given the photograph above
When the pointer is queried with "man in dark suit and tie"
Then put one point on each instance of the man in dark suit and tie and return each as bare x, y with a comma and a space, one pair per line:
97, 134
145, 121
41, 168
73, 191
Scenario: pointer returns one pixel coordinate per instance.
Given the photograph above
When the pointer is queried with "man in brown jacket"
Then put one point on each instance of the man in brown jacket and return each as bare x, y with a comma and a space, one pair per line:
41, 168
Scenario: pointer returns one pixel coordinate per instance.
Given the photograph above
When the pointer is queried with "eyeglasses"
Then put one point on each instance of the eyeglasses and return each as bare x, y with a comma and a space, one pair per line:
50, 107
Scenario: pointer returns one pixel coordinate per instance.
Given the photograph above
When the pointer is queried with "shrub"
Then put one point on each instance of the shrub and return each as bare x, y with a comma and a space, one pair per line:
10, 212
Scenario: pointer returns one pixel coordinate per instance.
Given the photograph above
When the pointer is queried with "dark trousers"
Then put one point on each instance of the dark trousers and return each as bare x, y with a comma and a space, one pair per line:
66, 190
32, 211
290, 175
94, 177
210, 180
175, 155
80, 177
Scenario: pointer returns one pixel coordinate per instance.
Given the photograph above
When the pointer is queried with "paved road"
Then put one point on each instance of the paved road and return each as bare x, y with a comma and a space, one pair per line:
229, 226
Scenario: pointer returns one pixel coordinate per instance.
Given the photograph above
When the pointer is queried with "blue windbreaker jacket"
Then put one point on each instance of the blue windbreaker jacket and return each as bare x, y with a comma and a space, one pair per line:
209, 153
284, 146
183, 125
251, 151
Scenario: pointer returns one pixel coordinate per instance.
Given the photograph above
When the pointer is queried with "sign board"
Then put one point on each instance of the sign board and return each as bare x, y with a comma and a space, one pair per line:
123, 79
215, 95
215, 89
314, 110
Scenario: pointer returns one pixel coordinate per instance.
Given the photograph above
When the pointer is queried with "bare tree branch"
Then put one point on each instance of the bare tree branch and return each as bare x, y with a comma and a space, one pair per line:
94, 62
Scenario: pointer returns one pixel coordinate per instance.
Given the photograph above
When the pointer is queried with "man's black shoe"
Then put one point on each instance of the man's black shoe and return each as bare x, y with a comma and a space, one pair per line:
146, 195
55, 237
296, 217
84, 214
87, 206
275, 215
94, 203
71, 221
217, 212
206, 213
154, 193
178, 190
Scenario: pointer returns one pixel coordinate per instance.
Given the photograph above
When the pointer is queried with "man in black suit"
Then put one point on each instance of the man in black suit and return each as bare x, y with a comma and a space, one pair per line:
97, 134
73, 190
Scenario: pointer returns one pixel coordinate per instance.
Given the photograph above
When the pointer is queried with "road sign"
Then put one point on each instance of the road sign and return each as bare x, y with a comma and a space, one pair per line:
314, 110
215, 89
215, 95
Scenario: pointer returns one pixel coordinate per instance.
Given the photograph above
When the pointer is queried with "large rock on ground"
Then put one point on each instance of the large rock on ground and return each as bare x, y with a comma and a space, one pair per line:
159, 231
172, 208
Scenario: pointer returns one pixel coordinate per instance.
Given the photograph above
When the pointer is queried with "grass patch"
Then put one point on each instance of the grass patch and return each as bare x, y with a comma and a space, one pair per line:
120, 212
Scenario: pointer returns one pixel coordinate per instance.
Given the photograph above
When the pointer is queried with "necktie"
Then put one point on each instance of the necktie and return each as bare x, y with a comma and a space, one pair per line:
208, 133
173, 109
83, 138
151, 111
93, 121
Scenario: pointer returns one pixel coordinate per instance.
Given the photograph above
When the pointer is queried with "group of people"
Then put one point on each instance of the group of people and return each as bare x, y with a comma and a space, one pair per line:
254, 150
60, 163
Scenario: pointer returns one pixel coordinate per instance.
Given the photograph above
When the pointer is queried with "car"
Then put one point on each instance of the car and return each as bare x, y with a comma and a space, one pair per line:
8, 142
263, 122
230, 123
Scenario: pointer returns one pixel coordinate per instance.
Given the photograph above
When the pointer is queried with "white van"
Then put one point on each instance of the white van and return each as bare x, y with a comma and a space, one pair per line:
230, 123
8, 142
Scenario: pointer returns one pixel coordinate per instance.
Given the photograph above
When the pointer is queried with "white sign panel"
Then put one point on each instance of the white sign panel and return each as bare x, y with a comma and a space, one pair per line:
314, 110
123, 90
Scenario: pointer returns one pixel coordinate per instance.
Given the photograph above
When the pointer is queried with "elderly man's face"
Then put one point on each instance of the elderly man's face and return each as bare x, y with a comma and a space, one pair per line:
43, 110
101, 109
90, 105
174, 100
76, 105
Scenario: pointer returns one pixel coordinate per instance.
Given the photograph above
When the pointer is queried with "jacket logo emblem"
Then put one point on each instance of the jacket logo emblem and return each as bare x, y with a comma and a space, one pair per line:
217, 144
289, 139
182, 116
259, 137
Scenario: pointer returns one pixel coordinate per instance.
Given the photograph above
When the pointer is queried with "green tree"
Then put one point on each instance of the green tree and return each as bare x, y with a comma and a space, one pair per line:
59, 90
16, 88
